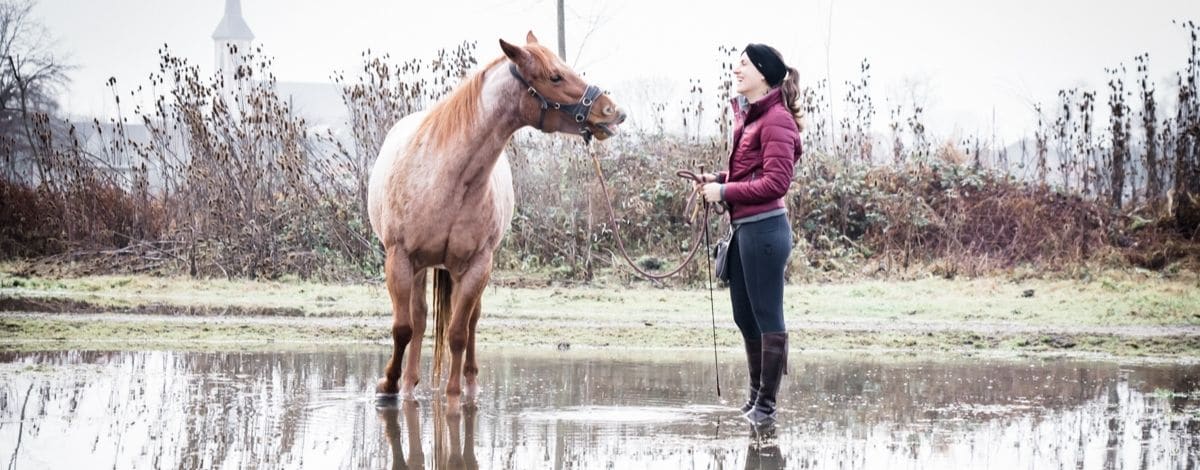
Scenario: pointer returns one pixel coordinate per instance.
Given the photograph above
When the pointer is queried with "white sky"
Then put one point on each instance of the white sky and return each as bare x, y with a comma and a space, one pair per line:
969, 60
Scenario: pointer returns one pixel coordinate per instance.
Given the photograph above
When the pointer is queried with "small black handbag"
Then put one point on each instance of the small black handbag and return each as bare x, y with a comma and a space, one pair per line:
720, 256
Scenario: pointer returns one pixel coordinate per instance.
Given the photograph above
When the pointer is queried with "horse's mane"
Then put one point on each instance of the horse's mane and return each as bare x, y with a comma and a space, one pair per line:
458, 111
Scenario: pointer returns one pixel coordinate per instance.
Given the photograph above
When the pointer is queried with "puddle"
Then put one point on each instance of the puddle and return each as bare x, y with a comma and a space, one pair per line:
580, 410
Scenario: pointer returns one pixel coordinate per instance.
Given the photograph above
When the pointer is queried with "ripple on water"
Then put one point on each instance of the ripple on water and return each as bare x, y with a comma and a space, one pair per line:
625, 414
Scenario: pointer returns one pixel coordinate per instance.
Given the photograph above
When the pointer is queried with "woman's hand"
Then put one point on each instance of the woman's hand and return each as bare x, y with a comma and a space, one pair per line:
711, 192
708, 187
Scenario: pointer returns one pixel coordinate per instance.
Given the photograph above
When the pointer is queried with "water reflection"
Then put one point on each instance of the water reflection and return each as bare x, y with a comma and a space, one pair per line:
453, 436
583, 409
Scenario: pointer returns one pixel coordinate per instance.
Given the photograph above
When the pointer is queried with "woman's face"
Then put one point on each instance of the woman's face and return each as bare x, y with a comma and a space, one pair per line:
750, 82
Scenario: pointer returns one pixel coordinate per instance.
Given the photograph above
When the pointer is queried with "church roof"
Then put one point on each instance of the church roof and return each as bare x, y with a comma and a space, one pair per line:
232, 25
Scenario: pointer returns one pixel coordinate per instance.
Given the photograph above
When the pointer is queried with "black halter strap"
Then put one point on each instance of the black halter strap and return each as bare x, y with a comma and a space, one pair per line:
578, 110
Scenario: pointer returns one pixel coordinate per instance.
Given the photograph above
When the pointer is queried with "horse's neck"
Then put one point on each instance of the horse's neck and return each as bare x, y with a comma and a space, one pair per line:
474, 152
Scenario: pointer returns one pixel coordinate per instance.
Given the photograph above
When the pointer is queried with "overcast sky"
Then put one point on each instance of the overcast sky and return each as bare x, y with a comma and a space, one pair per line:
968, 61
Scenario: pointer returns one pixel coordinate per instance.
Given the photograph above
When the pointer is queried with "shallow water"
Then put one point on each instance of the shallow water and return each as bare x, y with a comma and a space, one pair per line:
583, 409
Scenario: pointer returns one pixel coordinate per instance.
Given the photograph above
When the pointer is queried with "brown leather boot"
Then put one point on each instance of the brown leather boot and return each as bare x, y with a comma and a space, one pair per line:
774, 361
754, 363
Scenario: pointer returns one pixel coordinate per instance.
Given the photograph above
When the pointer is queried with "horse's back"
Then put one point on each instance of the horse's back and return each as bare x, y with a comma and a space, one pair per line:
395, 147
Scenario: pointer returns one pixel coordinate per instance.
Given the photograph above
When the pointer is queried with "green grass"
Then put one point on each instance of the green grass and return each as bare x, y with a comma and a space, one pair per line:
1114, 299
81, 332
930, 314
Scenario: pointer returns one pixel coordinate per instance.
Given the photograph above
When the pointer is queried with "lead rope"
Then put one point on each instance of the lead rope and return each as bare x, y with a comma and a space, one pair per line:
612, 218
708, 206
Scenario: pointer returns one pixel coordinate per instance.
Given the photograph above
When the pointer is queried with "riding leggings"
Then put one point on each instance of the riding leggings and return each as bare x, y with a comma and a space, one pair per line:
758, 257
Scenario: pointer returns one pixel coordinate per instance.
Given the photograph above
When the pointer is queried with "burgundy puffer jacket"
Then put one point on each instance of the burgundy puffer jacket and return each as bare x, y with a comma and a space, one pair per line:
766, 147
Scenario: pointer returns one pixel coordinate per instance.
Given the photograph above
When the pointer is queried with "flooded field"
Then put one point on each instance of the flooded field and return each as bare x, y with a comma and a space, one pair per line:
584, 409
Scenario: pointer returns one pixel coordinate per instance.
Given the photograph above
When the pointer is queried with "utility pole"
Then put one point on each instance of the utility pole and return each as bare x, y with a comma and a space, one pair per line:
562, 34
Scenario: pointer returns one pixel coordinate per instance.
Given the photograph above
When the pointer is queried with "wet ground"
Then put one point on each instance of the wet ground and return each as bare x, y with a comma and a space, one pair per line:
586, 409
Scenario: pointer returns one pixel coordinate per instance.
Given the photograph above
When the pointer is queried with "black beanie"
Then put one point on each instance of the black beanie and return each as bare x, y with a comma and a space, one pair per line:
768, 62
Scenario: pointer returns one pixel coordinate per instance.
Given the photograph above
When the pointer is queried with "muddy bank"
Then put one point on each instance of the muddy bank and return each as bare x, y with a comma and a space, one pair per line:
68, 305
103, 331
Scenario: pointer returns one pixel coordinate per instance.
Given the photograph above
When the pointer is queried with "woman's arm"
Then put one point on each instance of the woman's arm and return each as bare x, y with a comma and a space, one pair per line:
779, 158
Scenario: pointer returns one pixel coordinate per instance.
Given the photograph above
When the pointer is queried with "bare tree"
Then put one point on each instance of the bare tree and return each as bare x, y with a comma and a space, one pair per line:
590, 21
29, 76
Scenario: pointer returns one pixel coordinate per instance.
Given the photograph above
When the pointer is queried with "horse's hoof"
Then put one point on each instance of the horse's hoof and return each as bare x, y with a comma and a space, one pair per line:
384, 401
409, 392
386, 388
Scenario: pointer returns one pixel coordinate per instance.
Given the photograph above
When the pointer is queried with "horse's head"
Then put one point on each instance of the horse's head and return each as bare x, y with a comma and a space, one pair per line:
556, 99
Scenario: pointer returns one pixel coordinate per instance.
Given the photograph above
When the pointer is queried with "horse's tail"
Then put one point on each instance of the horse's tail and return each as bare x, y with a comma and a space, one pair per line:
442, 286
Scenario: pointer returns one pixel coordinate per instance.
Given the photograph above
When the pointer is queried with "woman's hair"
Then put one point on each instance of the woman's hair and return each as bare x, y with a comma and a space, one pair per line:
791, 92
791, 96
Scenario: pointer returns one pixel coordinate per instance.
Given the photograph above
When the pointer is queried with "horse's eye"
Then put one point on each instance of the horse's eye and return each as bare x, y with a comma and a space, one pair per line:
556, 78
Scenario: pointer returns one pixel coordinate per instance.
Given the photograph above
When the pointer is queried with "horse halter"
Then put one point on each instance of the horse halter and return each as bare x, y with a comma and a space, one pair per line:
579, 110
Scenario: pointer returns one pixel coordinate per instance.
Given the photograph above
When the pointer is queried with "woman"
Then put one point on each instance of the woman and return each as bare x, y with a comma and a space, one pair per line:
766, 147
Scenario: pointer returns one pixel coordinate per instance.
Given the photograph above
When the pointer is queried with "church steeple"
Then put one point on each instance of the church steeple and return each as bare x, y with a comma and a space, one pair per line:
232, 33
232, 26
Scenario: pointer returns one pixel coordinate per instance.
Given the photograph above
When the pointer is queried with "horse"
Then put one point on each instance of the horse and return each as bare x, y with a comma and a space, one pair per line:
440, 199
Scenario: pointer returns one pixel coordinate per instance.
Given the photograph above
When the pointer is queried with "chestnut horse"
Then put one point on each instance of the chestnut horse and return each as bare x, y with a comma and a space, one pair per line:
440, 197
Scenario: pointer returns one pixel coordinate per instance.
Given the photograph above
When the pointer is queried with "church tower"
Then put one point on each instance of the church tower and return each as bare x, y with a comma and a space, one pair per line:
232, 31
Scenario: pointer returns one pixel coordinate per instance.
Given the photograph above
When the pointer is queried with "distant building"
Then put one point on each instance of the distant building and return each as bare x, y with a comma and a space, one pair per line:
232, 34
320, 104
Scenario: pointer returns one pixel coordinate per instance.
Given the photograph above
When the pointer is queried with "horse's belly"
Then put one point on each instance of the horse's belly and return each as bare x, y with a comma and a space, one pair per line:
452, 247
503, 199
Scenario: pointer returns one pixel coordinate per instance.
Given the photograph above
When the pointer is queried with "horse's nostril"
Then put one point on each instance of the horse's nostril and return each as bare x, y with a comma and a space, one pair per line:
621, 118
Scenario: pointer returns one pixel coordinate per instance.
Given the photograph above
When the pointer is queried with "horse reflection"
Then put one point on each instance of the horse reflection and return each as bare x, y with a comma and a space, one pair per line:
453, 437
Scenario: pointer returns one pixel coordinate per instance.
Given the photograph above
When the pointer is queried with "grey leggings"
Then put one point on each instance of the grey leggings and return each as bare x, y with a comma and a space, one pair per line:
757, 259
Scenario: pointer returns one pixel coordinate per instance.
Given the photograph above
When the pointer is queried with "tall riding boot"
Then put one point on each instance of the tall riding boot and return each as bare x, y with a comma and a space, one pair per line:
754, 362
774, 361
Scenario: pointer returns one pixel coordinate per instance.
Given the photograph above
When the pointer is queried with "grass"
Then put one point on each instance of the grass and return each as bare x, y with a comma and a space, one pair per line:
1113, 298
1099, 314
84, 333
130, 292
1118, 299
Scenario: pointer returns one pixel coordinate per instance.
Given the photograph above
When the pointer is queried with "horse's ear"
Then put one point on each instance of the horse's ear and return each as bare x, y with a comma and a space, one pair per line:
515, 53
530, 38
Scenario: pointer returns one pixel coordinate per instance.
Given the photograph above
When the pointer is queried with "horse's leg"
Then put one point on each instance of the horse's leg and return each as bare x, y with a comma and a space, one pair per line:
412, 421
391, 429
453, 423
470, 366
399, 275
464, 299
469, 460
417, 313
